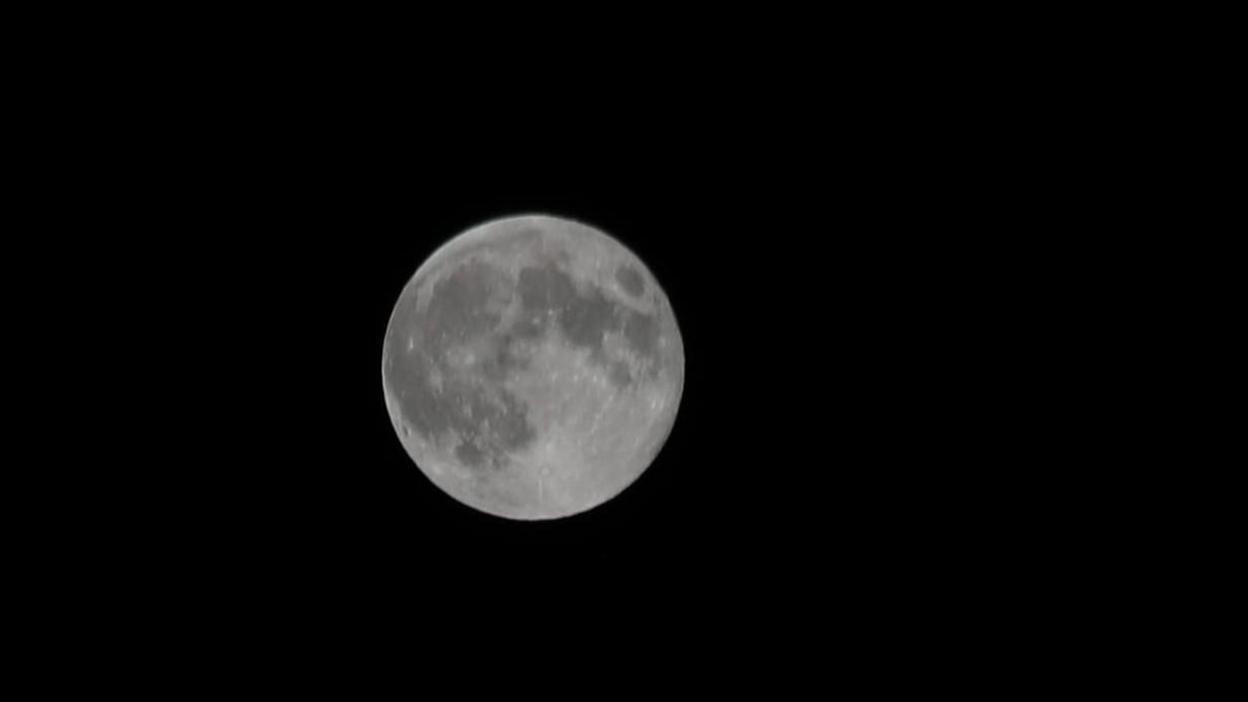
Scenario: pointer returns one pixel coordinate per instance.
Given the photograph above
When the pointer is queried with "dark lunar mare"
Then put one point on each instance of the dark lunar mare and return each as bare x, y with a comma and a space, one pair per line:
585, 316
489, 422
642, 332
458, 306
544, 288
630, 279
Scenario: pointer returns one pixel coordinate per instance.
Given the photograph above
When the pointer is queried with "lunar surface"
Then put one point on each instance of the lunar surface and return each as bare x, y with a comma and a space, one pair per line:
532, 367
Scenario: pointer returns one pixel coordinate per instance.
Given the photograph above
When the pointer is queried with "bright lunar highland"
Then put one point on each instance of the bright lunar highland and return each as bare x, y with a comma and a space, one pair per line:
532, 367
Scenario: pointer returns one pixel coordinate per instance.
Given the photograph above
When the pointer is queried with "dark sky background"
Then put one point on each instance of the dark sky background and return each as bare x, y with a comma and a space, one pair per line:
817, 401
723, 474
890, 247
826, 263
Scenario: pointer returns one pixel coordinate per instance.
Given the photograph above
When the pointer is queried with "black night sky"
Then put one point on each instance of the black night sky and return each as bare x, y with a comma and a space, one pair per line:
822, 268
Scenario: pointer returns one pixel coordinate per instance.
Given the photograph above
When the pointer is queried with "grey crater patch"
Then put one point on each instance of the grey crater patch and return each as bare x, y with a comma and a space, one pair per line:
630, 279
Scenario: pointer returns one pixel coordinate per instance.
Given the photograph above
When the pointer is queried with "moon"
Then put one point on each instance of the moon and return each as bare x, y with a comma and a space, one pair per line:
532, 367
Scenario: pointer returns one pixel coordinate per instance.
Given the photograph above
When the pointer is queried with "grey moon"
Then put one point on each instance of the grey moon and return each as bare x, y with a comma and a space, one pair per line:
532, 367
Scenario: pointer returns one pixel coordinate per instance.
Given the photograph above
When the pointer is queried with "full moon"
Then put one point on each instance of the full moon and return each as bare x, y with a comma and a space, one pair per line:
532, 367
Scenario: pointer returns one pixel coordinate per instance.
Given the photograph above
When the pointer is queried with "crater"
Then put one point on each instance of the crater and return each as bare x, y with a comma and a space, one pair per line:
630, 280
